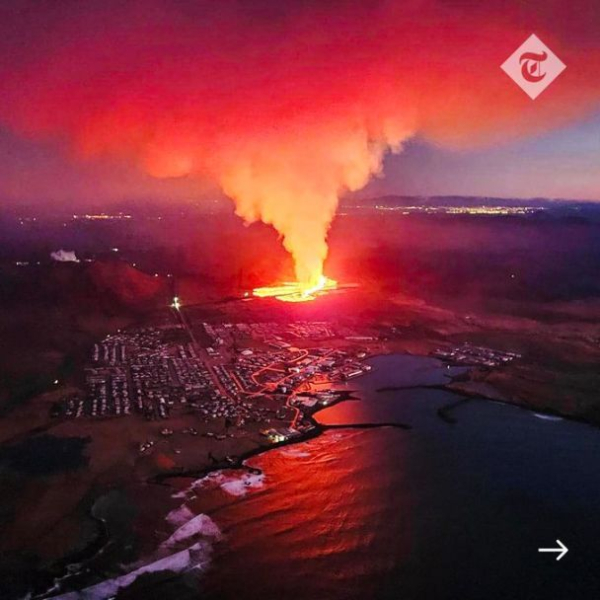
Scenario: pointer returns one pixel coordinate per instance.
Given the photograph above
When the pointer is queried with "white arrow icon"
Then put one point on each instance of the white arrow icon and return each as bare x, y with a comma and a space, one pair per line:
562, 550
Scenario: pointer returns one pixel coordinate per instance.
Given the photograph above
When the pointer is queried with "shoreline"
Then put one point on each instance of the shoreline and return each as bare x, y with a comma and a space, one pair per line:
472, 395
82, 558
98, 545
316, 430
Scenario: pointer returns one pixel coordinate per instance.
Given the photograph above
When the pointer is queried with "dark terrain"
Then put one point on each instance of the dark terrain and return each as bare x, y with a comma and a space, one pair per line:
432, 278
542, 265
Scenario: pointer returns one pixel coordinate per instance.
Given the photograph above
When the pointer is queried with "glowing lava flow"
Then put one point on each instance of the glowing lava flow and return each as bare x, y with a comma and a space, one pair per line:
294, 292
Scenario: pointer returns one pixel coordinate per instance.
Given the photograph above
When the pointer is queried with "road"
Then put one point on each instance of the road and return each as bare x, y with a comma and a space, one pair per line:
201, 352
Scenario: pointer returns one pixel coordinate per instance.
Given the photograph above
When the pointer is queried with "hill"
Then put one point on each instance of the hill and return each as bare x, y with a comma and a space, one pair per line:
50, 313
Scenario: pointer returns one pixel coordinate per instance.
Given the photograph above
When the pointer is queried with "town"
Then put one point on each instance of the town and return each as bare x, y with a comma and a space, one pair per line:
469, 355
239, 373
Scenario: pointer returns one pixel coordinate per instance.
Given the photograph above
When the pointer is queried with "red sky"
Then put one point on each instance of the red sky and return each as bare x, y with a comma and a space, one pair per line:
98, 97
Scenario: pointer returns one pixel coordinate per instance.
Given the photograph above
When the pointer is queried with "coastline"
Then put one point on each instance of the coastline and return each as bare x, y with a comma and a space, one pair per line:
239, 462
316, 430
87, 555
467, 394
62, 571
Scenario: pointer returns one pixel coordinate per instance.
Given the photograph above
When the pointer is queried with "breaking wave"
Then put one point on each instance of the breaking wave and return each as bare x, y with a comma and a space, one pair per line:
188, 548
234, 483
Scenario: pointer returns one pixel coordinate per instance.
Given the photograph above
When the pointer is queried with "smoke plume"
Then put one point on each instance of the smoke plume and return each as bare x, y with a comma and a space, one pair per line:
285, 106
64, 256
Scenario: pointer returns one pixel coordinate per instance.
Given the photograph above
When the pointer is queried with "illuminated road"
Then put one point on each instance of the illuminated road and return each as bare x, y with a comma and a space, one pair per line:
279, 382
208, 361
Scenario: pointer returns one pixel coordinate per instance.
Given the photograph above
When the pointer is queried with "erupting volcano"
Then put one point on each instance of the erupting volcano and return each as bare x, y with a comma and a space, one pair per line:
291, 291
282, 107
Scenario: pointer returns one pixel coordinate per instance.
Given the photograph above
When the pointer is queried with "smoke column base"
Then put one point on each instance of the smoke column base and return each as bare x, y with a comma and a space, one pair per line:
292, 291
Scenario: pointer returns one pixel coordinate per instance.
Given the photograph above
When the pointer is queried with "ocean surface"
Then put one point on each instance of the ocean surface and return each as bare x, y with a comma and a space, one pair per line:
441, 511
454, 508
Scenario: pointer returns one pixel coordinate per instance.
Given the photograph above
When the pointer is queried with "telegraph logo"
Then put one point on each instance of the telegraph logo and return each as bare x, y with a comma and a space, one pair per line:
533, 66
530, 66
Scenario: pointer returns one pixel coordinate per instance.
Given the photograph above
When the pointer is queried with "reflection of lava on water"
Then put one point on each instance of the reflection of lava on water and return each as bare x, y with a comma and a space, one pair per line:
296, 292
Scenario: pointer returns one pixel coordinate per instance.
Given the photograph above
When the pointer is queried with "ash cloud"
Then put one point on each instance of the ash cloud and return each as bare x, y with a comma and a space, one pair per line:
285, 106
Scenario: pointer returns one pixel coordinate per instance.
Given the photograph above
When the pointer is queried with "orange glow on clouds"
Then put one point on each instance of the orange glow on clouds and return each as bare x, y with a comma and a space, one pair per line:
285, 106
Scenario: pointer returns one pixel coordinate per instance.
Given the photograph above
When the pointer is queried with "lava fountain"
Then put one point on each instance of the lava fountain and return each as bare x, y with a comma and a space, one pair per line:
283, 115
293, 291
